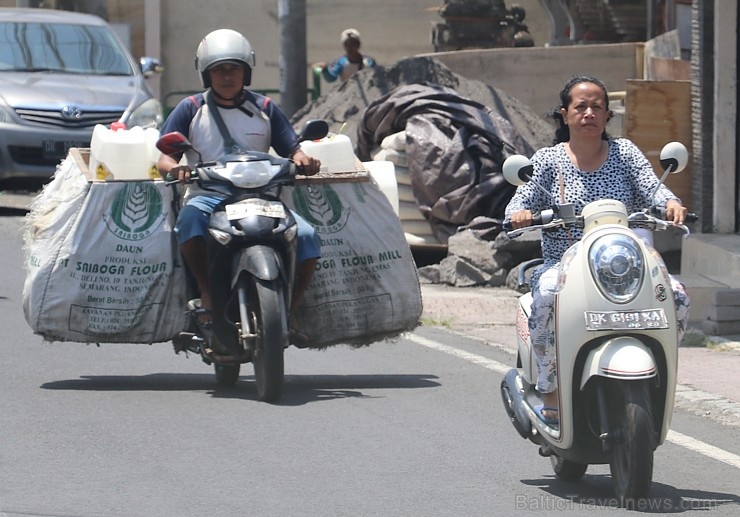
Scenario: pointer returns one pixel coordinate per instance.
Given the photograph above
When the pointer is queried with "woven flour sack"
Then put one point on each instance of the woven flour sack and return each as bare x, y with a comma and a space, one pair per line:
102, 263
366, 287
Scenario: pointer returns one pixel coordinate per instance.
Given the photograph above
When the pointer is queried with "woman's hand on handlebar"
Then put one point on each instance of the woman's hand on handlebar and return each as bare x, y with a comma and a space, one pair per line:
521, 219
675, 211
306, 165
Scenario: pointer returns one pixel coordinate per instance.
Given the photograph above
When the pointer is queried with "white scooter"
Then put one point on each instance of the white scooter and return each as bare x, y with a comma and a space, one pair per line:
616, 342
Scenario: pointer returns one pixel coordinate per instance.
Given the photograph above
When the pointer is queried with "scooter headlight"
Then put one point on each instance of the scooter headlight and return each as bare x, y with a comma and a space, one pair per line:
617, 266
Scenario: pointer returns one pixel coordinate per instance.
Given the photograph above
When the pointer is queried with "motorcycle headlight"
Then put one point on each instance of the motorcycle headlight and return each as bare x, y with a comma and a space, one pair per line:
291, 232
218, 226
148, 114
617, 266
248, 174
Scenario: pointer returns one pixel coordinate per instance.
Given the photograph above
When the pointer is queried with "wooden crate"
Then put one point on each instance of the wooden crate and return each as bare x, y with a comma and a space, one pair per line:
658, 112
81, 156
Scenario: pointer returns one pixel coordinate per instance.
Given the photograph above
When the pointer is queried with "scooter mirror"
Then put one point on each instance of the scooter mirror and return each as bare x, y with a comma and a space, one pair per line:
314, 130
517, 169
674, 157
174, 142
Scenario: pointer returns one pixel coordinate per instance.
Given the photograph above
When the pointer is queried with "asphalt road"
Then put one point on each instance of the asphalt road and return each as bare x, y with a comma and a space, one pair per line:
412, 427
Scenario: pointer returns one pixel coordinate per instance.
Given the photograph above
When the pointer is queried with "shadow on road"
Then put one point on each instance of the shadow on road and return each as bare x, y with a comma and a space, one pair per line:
302, 389
595, 491
298, 389
12, 212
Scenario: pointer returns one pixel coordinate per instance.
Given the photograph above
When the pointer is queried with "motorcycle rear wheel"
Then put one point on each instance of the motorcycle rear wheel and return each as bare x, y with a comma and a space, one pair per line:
631, 466
226, 374
268, 319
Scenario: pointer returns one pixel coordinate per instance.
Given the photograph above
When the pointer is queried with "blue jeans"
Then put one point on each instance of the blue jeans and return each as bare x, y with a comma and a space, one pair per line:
193, 222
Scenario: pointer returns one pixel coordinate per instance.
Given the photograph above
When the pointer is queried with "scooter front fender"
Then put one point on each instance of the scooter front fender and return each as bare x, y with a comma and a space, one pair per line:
261, 261
622, 357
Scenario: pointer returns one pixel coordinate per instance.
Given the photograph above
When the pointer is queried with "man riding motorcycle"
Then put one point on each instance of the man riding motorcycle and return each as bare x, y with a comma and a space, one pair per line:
224, 60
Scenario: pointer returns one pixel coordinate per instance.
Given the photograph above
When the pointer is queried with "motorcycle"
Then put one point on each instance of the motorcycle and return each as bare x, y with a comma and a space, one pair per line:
251, 263
616, 341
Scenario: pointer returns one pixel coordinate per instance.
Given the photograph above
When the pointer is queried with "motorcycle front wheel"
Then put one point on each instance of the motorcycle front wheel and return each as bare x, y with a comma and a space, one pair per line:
268, 320
634, 439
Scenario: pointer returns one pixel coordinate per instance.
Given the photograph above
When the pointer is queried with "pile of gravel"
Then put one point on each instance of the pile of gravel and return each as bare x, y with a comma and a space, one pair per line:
345, 103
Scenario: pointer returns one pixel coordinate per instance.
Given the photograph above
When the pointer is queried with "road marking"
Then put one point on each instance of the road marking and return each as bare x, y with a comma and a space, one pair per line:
704, 448
673, 436
467, 356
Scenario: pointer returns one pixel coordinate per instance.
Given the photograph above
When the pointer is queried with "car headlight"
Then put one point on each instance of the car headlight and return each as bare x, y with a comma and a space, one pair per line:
148, 114
617, 266
5, 117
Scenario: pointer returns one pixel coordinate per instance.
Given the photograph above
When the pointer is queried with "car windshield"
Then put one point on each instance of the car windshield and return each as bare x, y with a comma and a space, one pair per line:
64, 48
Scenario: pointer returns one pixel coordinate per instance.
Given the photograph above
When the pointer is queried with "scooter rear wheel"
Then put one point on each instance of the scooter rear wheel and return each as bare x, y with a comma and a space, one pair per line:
268, 320
567, 470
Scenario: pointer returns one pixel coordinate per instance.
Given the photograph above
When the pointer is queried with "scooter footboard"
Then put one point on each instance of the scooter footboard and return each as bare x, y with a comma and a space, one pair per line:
622, 357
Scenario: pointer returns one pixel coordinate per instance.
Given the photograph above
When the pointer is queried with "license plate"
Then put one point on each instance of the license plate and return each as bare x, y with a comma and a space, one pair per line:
621, 320
242, 209
59, 149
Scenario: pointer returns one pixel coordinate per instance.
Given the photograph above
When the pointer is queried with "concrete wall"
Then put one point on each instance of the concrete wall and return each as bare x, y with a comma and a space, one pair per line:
536, 75
725, 119
391, 30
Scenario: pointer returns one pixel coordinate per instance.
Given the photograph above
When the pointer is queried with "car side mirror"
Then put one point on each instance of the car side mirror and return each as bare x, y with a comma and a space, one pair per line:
150, 66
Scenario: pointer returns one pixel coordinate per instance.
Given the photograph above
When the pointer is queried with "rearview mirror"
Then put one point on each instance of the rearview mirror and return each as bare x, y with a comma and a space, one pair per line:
173, 143
517, 169
314, 130
674, 157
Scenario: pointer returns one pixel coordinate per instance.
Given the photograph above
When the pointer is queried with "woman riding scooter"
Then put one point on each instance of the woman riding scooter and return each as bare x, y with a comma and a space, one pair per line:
224, 60
583, 165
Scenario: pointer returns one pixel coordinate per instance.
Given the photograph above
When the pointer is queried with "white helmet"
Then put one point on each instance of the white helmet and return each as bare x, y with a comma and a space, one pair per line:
224, 45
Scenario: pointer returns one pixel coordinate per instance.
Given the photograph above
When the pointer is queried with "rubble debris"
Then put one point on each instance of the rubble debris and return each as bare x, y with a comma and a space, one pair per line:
346, 102
482, 256
473, 261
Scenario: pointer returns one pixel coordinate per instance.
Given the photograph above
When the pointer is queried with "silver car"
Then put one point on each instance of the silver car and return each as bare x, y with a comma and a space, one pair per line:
61, 73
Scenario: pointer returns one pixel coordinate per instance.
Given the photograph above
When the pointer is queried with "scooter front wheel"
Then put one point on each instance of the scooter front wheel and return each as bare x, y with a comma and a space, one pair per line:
633, 439
267, 315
